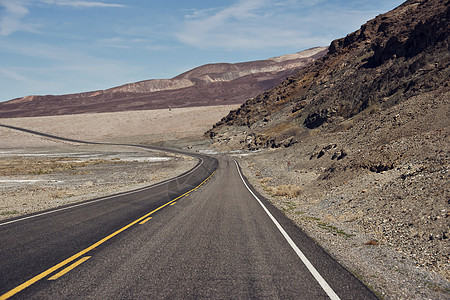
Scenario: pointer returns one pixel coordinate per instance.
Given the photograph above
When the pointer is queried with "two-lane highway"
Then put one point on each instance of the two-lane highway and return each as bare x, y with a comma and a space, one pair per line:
201, 235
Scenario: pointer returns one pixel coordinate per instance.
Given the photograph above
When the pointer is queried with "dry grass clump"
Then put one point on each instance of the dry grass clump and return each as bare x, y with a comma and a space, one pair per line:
265, 180
59, 194
289, 191
23, 166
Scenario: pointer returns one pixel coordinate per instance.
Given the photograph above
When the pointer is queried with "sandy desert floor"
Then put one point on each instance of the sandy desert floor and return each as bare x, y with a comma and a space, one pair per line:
43, 177
148, 126
38, 173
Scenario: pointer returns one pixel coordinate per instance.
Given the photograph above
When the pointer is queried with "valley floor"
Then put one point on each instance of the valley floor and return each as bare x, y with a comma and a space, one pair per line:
37, 179
37, 173
376, 197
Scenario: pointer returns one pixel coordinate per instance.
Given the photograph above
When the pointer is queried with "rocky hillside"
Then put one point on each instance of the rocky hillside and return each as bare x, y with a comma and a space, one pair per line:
213, 84
362, 137
391, 58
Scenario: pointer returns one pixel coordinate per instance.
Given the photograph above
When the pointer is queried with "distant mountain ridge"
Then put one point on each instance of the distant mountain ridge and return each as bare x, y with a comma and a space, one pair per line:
211, 84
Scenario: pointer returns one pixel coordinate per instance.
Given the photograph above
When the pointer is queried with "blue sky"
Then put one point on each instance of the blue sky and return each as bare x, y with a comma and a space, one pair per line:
69, 46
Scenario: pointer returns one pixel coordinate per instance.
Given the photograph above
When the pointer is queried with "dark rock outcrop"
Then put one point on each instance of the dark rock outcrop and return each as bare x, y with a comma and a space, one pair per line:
393, 57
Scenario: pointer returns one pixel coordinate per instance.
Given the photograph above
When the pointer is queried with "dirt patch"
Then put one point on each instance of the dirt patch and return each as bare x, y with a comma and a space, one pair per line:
35, 179
284, 190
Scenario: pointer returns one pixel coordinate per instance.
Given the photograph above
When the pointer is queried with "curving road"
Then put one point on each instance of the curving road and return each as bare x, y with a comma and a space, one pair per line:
203, 234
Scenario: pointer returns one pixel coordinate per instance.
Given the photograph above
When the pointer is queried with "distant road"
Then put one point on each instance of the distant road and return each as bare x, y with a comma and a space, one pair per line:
204, 234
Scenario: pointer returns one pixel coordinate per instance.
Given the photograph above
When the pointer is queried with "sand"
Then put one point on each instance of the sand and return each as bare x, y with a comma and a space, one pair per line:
38, 173
148, 126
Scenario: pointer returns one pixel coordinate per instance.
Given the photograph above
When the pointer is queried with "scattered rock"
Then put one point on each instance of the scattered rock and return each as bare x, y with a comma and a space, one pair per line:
372, 243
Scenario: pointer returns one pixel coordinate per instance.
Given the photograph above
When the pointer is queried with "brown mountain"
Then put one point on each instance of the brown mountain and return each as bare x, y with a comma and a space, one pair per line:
359, 140
212, 84
393, 57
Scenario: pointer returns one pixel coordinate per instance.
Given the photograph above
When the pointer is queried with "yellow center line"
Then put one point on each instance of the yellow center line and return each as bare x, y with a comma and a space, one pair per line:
173, 203
145, 221
69, 268
93, 246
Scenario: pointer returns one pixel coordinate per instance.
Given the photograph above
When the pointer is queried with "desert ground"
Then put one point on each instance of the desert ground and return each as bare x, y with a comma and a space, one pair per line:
148, 126
341, 213
374, 192
38, 173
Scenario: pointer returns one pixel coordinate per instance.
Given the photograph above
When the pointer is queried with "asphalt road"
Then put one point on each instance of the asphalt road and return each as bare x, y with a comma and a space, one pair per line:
201, 235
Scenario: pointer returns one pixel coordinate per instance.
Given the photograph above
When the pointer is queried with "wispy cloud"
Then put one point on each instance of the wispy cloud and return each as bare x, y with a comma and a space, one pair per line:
62, 69
26, 81
14, 13
62, 56
82, 3
11, 18
257, 24
160, 47
293, 3
13, 74
121, 42
248, 24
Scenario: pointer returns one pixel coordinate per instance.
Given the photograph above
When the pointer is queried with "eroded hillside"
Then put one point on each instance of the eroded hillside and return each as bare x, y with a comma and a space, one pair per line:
391, 58
357, 144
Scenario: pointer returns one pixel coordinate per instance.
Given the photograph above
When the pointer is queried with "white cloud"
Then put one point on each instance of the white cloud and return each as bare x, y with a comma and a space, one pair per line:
158, 48
81, 3
17, 84
15, 7
13, 75
11, 18
112, 40
293, 3
121, 42
15, 11
52, 55
253, 25
246, 25
60, 70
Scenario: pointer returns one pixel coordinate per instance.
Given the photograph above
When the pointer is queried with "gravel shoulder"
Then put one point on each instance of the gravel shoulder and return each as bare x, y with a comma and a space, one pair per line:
373, 190
389, 270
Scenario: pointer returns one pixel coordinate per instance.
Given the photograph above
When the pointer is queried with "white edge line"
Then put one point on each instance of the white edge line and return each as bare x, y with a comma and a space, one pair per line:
105, 198
300, 254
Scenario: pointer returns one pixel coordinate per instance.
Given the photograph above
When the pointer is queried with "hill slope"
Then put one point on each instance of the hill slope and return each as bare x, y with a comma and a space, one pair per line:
391, 58
213, 84
362, 138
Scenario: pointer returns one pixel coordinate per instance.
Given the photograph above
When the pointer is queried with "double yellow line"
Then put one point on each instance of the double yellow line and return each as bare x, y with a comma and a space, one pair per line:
93, 246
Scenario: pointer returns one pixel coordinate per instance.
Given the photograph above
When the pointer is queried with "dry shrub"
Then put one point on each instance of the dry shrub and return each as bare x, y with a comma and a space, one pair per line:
265, 180
58, 194
372, 243
40, 166
290, 191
